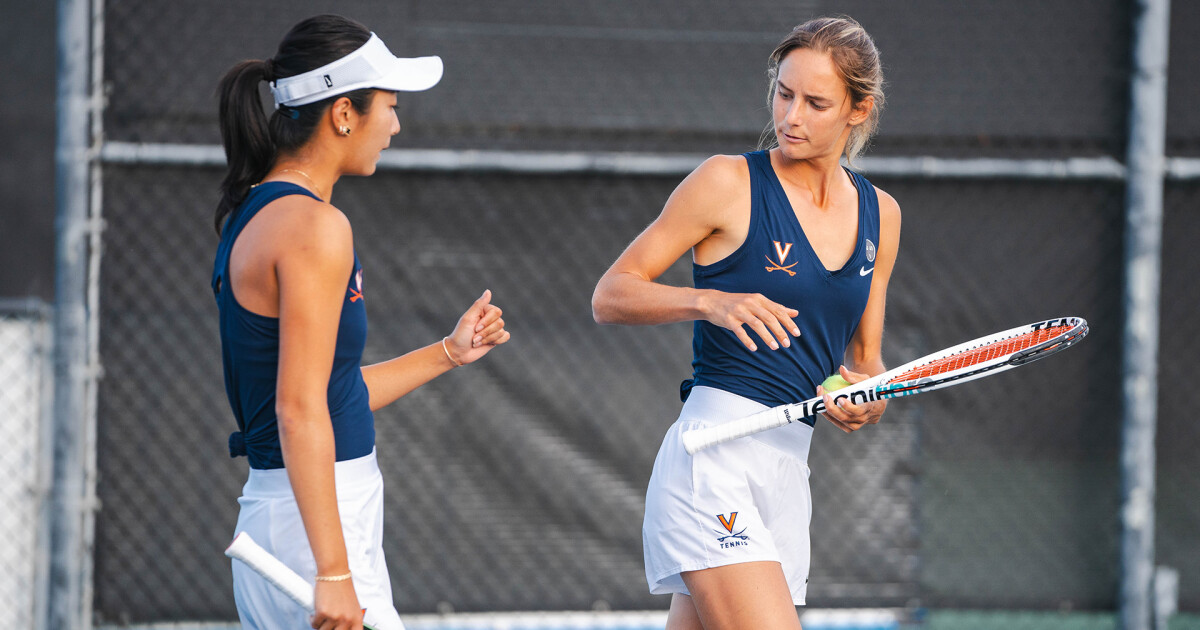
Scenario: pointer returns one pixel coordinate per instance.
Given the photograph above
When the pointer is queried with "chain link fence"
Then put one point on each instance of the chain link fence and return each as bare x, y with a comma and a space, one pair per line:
518, 484
1178, 516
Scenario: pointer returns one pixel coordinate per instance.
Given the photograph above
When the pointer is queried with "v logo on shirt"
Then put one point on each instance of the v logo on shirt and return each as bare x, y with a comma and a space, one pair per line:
781, 250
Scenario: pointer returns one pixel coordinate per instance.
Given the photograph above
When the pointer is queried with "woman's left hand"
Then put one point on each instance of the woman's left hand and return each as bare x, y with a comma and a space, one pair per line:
478, 331
846, 415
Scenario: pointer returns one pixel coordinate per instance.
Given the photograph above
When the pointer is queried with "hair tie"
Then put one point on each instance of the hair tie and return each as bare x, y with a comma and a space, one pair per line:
290, 112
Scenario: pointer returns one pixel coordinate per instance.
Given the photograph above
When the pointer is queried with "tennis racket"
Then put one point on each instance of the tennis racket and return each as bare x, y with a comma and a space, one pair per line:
280, 575
968, 361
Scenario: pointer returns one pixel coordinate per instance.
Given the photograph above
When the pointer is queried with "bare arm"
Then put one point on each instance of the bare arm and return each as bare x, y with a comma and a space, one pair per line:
708, 212
479, 330
864, 355
311, 270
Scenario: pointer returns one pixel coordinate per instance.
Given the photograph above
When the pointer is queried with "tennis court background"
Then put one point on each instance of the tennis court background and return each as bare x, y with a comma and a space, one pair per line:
517, 483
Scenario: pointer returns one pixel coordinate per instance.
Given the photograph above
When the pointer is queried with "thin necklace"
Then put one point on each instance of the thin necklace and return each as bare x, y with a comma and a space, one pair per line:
305, 176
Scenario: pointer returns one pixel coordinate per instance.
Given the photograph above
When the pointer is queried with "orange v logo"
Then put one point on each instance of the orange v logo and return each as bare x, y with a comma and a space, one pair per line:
728, 524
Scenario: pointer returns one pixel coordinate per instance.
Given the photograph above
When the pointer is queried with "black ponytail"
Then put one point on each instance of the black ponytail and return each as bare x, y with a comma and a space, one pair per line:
251, 142
249, 150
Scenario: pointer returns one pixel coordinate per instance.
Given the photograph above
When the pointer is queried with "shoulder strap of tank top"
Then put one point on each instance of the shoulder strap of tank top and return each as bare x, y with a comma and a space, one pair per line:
866, 192
759, 161
256, 200
760, 186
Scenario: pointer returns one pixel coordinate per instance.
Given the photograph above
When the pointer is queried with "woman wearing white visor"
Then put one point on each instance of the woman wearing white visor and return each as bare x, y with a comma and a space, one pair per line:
289, 289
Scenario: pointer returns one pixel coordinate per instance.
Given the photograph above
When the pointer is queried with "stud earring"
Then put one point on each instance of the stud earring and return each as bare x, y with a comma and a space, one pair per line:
344, 130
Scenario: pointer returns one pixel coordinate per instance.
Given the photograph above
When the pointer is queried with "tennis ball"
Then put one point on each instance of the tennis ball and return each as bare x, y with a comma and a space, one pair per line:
834, 383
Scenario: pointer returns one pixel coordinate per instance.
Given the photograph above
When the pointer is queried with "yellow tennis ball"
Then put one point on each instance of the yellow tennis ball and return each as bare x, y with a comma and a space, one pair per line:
834, 383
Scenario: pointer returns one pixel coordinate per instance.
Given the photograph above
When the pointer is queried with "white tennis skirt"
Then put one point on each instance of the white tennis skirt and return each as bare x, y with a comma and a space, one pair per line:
270, 515
743, 501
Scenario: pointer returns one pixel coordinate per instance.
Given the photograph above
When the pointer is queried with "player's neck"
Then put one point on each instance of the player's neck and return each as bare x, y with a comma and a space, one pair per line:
314, 174
819, 176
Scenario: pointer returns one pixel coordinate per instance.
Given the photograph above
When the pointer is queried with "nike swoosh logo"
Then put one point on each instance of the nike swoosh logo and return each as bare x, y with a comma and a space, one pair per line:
862, 271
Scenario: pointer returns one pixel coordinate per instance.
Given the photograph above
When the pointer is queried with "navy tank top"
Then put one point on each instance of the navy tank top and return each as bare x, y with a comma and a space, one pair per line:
777, 261
250, 352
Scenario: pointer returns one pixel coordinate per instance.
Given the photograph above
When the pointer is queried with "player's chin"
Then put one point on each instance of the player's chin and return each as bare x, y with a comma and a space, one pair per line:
366, 164
794, 152
367, 168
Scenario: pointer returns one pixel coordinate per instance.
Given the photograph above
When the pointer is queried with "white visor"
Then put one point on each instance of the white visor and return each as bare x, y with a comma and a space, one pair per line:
371, 66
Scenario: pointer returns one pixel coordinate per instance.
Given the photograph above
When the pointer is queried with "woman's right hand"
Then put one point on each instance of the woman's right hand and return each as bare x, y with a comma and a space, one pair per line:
336, 606
737, 311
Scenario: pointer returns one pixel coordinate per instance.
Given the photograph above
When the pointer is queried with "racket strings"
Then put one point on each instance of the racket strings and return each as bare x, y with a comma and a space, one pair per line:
982, 354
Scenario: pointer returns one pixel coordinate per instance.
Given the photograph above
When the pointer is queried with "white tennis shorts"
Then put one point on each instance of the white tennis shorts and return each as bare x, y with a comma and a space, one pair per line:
270, 515
743, 501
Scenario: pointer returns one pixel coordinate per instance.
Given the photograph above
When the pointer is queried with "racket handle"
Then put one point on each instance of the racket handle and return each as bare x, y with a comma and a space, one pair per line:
272, 570
698, 439
280, 575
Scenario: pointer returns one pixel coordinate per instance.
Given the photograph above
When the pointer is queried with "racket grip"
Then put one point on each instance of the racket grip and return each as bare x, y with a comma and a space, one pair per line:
280, 575
698, 439
272, 570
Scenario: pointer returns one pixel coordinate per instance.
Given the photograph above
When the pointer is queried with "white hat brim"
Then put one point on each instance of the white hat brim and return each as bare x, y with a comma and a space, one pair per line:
413, 74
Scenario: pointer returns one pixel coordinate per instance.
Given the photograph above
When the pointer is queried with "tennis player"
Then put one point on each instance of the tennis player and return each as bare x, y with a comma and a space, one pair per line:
791, 255
293, 325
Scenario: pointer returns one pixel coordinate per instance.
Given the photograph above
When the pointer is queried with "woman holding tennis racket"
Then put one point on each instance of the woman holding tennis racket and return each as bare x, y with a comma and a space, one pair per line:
289, 289
792, 254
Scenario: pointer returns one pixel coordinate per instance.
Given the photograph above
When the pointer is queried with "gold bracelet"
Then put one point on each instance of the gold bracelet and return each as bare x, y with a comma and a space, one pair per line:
447, 351
334, 578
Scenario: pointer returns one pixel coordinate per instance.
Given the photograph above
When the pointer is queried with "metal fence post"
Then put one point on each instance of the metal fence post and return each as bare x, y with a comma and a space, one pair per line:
70, 522
1143, 263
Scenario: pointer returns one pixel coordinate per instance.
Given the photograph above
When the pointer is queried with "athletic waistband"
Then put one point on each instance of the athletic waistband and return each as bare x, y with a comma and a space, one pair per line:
716, 406
349, 476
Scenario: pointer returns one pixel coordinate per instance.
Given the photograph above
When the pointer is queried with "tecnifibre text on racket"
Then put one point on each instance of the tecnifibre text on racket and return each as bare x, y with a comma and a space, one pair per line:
278, 574
971, 360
